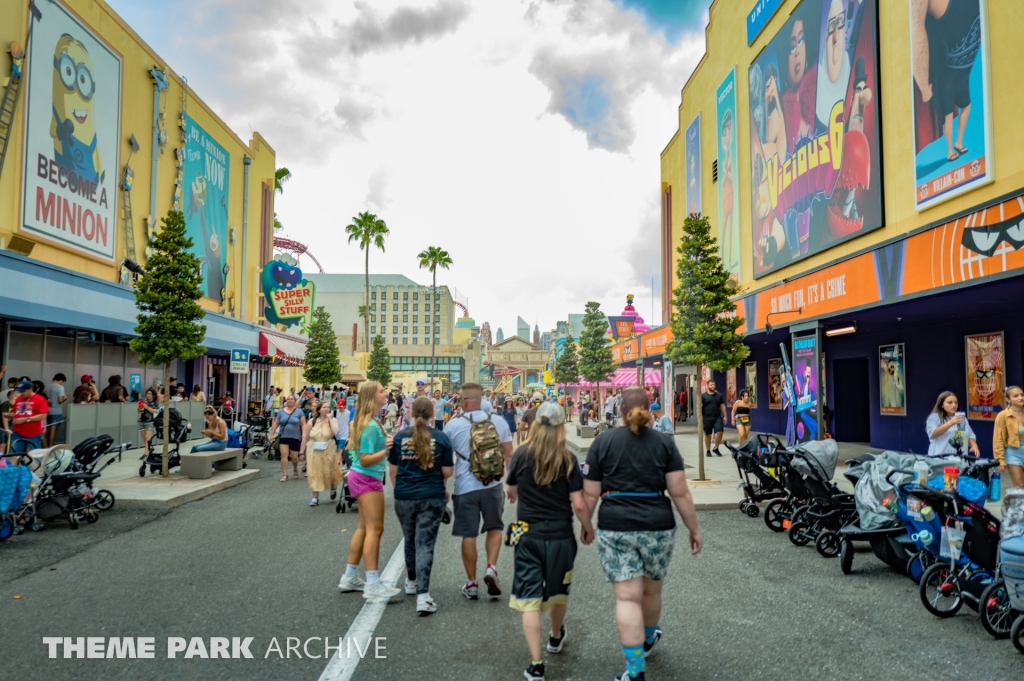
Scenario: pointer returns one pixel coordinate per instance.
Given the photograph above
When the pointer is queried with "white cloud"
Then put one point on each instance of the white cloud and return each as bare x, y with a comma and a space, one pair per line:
524, 138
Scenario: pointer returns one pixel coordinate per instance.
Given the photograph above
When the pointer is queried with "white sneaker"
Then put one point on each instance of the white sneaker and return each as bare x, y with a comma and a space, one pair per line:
352, 583
471, 591
425, 605
379, 590
491, 580
410, 587
314, 502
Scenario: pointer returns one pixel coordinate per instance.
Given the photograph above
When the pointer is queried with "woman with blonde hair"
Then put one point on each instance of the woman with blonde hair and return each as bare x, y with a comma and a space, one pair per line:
1007, 436
545, 479
630, 469
323, 461
369, 446
420, 462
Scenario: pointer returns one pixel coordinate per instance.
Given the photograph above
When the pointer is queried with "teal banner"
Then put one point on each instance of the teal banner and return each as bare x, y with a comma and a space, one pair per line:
206, 166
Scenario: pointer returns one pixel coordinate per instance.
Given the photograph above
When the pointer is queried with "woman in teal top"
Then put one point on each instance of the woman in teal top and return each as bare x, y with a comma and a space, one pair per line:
366, 482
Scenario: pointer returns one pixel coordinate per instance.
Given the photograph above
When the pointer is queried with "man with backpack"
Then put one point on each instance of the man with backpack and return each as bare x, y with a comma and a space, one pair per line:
483, 448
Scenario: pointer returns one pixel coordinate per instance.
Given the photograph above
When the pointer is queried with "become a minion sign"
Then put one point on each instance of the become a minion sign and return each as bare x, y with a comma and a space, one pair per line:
72, 133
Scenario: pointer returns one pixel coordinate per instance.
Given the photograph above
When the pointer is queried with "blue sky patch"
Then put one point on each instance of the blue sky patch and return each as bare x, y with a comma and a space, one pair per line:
675, 18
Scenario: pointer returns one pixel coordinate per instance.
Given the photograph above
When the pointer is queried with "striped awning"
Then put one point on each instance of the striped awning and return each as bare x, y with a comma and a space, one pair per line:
285, 347
352, 378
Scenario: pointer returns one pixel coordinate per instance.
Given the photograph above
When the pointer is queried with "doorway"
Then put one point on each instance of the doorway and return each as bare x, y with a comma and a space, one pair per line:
851, 412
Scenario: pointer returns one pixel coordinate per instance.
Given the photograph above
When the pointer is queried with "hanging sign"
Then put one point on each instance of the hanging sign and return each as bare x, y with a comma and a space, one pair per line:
290, 298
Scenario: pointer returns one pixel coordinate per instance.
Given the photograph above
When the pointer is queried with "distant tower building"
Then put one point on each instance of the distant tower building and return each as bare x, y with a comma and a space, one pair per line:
522, 329
545, 341
536, 334
500, 337
485, 333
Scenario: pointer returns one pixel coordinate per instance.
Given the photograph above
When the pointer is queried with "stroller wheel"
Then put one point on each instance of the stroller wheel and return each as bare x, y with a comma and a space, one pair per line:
104, 500
846, 556
752, 510
743, 505
6, 528
828, 544
1017, 634
142, 471
997, 614
774, 513
940, 591
91, 517
915, 567
798, 534
73, 521
38, 526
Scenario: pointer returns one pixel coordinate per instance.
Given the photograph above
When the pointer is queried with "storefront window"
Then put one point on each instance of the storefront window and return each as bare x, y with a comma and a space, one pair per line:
112, 362
60, 357
25, 353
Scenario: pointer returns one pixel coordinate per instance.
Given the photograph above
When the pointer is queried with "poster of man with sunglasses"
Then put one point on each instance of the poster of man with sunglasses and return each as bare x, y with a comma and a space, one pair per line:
986, 372
72, 134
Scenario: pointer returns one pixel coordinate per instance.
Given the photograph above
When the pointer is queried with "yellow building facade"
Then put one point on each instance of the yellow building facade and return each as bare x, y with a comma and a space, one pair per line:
856, 161
105, 140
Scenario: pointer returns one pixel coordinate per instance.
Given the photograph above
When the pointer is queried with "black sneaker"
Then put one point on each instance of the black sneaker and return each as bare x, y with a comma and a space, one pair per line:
535, 672
624, 676
718, 452
649, 645
708, 454
555, 643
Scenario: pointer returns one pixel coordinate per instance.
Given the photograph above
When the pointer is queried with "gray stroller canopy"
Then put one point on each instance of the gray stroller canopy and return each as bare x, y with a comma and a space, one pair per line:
817, 458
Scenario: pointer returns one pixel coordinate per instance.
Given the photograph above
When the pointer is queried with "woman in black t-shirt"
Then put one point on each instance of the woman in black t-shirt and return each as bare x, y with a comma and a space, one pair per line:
630, 470
545, 479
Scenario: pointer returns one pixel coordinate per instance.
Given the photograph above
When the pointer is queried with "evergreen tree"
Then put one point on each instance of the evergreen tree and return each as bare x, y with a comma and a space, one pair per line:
167, 297
567, 364
322, 365
595, 362
704, 320
380, 363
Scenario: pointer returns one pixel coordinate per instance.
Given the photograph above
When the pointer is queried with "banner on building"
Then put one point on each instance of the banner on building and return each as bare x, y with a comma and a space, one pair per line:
750, 383
730, 388
892, 379
952, 99
986, 375
815, 149
775, 384
806, 386
693, 167
728, 182
72, 135
290, 297
207, 182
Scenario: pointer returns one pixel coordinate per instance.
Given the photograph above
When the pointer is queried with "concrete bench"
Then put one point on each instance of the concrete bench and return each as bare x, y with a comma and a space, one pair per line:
585, 431
197, 465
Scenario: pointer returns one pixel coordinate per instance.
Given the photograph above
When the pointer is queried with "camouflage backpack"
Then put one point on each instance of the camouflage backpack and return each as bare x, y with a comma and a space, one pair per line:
486, 462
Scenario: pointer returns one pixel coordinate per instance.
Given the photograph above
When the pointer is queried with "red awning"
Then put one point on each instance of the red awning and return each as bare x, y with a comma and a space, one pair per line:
285, 347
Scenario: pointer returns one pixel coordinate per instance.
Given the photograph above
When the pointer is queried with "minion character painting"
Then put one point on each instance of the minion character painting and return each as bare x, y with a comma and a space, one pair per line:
72, 80
73, 128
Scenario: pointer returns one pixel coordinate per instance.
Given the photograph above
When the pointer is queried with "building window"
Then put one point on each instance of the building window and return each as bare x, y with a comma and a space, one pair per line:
415, 319
383, 307
427, 307
405, 330
426, 330
394, 340
415, 339
394, 294
373, 306
394, 330
405, 307
405, 340
415, 307
405, 295
373, 330
395, 318
405, 318
415, 295
373, 295
437, 340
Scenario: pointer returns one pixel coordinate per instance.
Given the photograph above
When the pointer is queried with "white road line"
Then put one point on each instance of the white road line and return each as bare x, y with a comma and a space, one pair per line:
341, 668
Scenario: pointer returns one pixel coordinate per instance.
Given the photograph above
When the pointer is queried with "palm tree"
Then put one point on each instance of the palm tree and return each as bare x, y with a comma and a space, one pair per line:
367, 230
281, 175
432, 258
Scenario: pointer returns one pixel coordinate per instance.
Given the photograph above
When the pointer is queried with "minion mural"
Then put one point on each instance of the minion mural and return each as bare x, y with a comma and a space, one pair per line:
72, 135
206, 205
73, 128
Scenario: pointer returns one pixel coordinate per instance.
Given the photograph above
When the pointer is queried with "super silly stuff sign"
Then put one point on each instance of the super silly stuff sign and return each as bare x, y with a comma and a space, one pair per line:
290, 297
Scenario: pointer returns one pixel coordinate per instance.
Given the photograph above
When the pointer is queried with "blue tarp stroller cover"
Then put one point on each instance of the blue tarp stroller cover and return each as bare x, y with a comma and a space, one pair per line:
872, 488
14, 483
818, 459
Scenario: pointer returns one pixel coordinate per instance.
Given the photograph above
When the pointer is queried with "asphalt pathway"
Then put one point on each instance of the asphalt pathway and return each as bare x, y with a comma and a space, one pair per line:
256, 561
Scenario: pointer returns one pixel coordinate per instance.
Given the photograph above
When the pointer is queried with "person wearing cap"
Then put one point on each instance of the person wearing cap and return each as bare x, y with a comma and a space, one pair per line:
421, 388
30, 412
545, 480
662, 423
86, 391
630, 469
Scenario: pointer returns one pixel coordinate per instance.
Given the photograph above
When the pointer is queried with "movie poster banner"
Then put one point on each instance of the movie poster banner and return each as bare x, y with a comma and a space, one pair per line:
693, 168
952, 99
775, 384
986, 372
728, 187
730, 388
814, 133
806, 363
750, 383
892, 372
72, 135
207, 166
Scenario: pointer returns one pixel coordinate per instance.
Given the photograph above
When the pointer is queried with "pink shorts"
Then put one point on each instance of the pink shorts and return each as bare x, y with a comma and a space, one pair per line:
360, 484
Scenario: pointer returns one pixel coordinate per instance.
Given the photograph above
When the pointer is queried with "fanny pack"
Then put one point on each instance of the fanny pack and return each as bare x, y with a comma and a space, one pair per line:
320, 446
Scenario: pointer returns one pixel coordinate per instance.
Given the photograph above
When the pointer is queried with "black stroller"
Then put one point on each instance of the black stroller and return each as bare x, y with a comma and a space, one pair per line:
890, 541
67, 485
758, 484
828, 508
177, 433
258, 436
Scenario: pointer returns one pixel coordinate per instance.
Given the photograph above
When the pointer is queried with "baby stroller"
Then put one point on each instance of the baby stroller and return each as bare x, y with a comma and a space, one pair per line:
971, 534
14, 486
758, 484
778, 514
257, 436
828, 509
177, 433
1002, 603
887, 537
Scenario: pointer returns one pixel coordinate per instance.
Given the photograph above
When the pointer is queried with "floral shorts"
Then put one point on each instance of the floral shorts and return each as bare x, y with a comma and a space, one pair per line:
627, 555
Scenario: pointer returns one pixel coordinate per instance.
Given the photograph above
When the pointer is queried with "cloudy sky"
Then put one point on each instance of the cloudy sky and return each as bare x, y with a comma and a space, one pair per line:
523, 136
